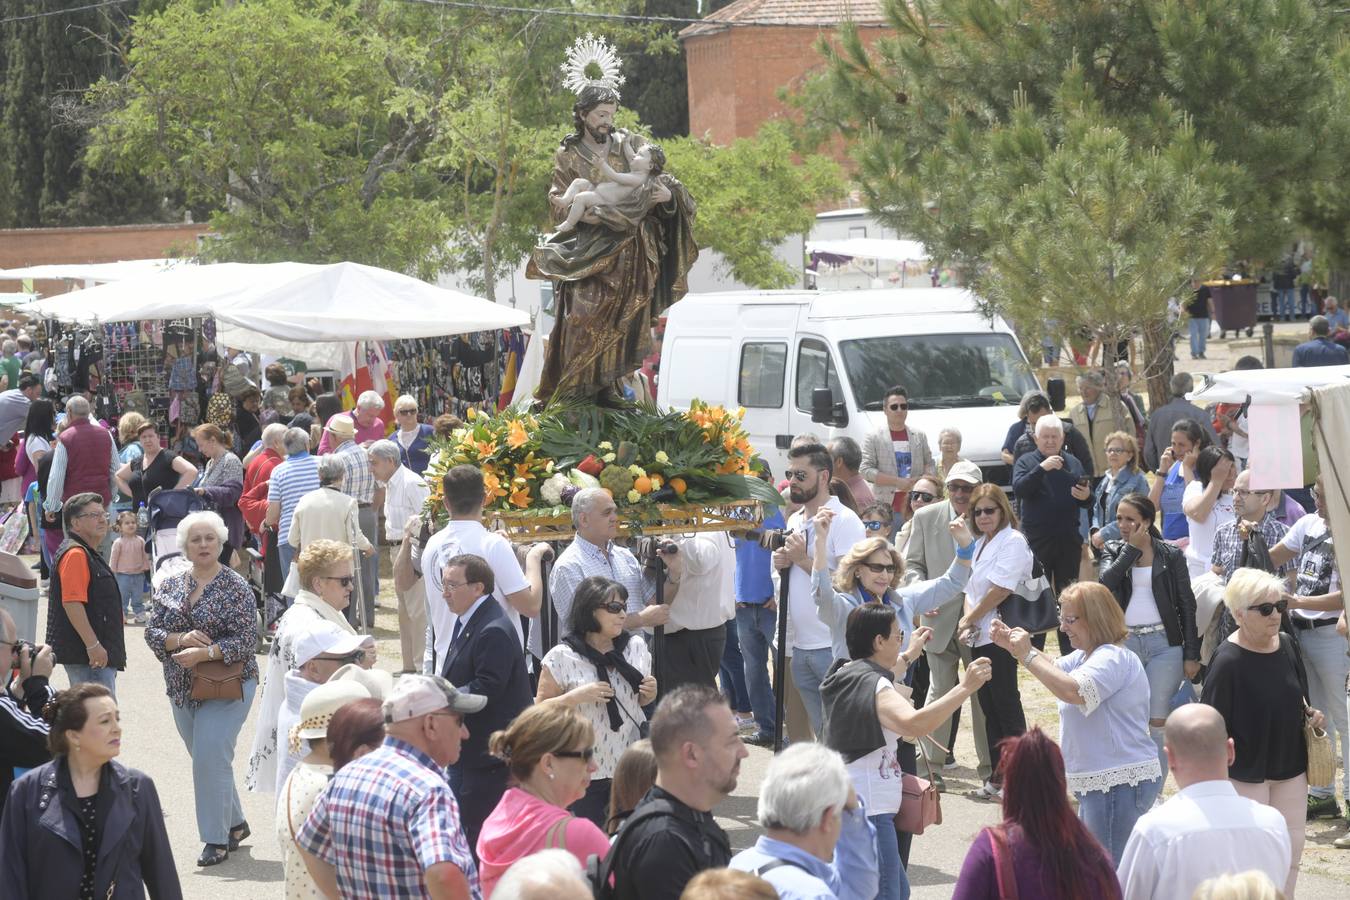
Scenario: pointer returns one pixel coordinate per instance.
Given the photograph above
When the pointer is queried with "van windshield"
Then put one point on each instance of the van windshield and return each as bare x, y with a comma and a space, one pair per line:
938, 370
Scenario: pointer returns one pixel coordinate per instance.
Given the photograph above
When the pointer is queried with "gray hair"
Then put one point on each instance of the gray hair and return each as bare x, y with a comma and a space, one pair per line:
385, 449
800, 785
1049, 423
584, 501
369, 400
77, 406
846, 450
331, 470
9, 347
1093, 377
274, 435
954, 432
404, 401
1318, 324
205, 517
295, 441
1181, 384
540, 876
1039, 397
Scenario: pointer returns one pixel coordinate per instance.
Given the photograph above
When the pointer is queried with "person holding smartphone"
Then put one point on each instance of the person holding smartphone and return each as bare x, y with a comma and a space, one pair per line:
23, 732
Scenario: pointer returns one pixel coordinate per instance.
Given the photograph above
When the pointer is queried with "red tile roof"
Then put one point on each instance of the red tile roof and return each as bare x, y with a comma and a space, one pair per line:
812, 13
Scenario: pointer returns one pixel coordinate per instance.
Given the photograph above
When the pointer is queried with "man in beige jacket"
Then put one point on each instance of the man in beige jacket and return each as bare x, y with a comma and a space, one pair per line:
895, 455
1096, 416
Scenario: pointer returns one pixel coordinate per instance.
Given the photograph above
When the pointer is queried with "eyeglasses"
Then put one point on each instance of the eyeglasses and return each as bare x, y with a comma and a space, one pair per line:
922, 496
89, 515
1265, 609
576, 754
405, 412
344, 580
874, 526
895, 407
614, 607
1117, 450
1068, 620
880, 568
959, 487
1240, 492
451, 585
802, 475
985, 510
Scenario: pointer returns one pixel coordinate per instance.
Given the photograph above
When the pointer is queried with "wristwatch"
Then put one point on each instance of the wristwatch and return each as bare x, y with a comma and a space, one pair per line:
1031, 654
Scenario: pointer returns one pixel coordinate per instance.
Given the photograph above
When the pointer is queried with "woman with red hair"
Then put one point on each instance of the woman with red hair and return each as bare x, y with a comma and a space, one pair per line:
1041, 850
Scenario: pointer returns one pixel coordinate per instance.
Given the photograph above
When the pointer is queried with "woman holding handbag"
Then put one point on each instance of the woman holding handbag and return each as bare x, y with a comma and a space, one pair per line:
1257, 682
1109, 759
204, 629
866, 715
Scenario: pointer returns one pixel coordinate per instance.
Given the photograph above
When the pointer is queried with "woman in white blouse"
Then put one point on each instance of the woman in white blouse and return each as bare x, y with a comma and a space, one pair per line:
1208, 504
1002, 562
1110, 761
605, 673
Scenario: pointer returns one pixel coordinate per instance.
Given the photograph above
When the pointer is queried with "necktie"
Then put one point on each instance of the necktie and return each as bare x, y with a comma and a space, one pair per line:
459, 626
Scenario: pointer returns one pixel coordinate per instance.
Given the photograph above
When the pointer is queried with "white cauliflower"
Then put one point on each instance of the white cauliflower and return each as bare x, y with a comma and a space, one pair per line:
552, 489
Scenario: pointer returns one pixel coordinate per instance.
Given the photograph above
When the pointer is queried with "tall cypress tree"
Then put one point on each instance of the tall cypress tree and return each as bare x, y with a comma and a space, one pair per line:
657, 84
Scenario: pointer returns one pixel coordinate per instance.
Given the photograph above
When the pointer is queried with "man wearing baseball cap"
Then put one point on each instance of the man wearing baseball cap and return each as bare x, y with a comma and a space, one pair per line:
928, 554
388, 824
320, 651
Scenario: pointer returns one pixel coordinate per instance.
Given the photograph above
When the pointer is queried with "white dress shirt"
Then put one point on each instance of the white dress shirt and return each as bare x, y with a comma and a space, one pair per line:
1207, 829
707, 590
405, 493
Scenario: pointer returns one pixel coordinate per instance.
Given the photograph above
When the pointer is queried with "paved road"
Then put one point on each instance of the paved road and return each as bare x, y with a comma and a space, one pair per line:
151, 744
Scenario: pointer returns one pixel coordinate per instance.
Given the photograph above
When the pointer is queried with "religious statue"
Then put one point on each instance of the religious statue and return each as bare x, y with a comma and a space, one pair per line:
624, 243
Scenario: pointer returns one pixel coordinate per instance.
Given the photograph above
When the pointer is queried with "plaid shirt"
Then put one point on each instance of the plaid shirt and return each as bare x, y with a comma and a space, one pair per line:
1228, 544
581, 560
384, 820
358, 481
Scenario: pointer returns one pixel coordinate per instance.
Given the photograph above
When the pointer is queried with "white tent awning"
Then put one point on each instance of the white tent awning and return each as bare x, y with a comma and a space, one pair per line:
1268, 385
100, 272
872, 248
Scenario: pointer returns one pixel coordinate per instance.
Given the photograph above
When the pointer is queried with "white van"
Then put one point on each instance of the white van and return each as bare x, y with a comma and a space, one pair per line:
771, 351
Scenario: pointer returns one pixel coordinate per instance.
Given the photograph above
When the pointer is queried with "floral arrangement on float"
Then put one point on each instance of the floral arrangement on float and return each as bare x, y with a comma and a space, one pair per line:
672, 471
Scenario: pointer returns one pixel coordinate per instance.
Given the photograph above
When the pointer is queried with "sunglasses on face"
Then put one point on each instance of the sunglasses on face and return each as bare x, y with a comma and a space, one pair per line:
802, 475
959, 487
1265, 609
344, 580
922, 496
880, 568
576, 754
985, 510
896, 407
614, 607
874, 526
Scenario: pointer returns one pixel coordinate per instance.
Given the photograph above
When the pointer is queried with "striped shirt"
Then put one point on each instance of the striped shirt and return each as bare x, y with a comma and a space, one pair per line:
358, 481
384, 820
580, 561
292, 479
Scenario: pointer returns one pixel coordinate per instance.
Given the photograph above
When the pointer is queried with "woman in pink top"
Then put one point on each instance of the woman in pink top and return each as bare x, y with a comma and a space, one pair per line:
548, 749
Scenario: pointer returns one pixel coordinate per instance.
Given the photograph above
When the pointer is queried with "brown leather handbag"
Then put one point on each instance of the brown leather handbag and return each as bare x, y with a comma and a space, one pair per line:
217, 680
920, 805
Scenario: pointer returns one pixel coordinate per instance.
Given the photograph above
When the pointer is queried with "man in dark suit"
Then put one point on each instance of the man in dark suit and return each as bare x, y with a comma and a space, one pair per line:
484, 658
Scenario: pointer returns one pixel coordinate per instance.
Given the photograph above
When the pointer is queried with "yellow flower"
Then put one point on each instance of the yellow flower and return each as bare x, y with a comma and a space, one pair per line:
608, 457
521, 497
634, 496
662, 457
604, 445
471, 413
636, 470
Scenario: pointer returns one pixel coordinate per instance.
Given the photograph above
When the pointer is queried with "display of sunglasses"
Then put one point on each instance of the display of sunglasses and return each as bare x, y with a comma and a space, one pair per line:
874, 526
922, 496
985, 510
880, 568
576, 754
1265, 609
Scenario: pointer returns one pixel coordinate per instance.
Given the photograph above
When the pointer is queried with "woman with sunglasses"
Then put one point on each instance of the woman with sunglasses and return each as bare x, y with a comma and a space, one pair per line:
926, 491
1002, 562
550, 750
604, 672
876, 518
413, 437
1110, 762
207, 614
327, 580
1257, 682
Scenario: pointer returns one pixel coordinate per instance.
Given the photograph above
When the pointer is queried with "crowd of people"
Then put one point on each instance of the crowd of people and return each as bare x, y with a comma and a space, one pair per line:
486, 763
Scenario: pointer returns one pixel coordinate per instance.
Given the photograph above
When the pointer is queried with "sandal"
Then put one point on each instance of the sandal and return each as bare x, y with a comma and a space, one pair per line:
237, 835
213, 855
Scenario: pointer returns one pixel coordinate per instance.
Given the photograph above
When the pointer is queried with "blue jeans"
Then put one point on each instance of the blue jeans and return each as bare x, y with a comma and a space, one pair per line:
1110, 815
285, 555
809, 668
1327, 664
731, 672
210, 732
79, 674
894, 883
133, 592
754, 629
1199, 335
1285, 305
1163, 667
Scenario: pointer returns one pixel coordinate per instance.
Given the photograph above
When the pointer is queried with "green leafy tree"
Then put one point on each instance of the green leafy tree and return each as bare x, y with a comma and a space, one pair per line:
956, 121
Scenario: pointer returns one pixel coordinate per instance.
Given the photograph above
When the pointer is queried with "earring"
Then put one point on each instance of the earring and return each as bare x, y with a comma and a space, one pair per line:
551, 776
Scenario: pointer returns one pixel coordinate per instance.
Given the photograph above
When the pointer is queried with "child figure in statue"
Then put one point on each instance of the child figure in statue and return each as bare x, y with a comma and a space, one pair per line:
634, 191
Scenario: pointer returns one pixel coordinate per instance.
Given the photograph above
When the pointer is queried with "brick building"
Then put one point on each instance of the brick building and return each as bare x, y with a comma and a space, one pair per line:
736, 70
22, 247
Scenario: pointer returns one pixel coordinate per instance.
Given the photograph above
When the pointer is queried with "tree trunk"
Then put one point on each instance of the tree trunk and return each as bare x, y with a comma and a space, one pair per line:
1157, 360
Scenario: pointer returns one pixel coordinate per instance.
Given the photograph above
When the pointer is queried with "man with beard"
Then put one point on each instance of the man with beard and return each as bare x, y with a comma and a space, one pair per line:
808, 473
671, 835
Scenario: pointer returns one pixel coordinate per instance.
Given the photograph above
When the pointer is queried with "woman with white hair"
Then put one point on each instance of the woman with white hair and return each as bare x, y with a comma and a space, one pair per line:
204, 629
369, 426
817, 841
327, 513
413, 437
1257, 682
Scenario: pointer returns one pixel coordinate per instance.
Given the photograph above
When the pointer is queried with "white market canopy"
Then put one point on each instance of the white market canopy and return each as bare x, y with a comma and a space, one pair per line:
16, 299
1268, 386
299, 310
871, 248
100, 272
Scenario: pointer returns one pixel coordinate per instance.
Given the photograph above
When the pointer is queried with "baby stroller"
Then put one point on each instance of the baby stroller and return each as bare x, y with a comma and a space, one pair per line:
165, 509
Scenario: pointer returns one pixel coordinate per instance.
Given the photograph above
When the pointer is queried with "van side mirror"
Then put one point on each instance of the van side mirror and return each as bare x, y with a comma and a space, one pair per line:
1056, 389
824, 411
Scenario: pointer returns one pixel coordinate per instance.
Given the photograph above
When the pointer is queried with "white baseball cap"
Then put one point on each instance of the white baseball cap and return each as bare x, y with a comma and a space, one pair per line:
417, 695
966, 471
325, 638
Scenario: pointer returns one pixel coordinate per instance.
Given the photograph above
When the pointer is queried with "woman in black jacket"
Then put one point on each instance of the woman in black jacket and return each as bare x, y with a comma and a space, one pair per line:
1152, 583
83, 826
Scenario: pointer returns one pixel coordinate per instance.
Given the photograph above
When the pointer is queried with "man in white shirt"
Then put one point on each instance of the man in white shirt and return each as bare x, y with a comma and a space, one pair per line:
808, 473
1207, 829
404, 495
519, 593
704, 572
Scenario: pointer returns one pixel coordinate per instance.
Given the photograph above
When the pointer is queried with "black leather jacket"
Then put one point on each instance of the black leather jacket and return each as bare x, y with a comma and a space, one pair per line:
1171, 589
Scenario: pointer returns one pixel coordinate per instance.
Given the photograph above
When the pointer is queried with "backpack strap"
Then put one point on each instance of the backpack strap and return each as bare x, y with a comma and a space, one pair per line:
778, 864
602, 871
556, 836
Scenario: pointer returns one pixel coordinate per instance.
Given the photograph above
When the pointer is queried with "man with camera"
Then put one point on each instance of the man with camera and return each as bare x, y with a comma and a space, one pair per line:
808, 473
23, 732
703, 568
